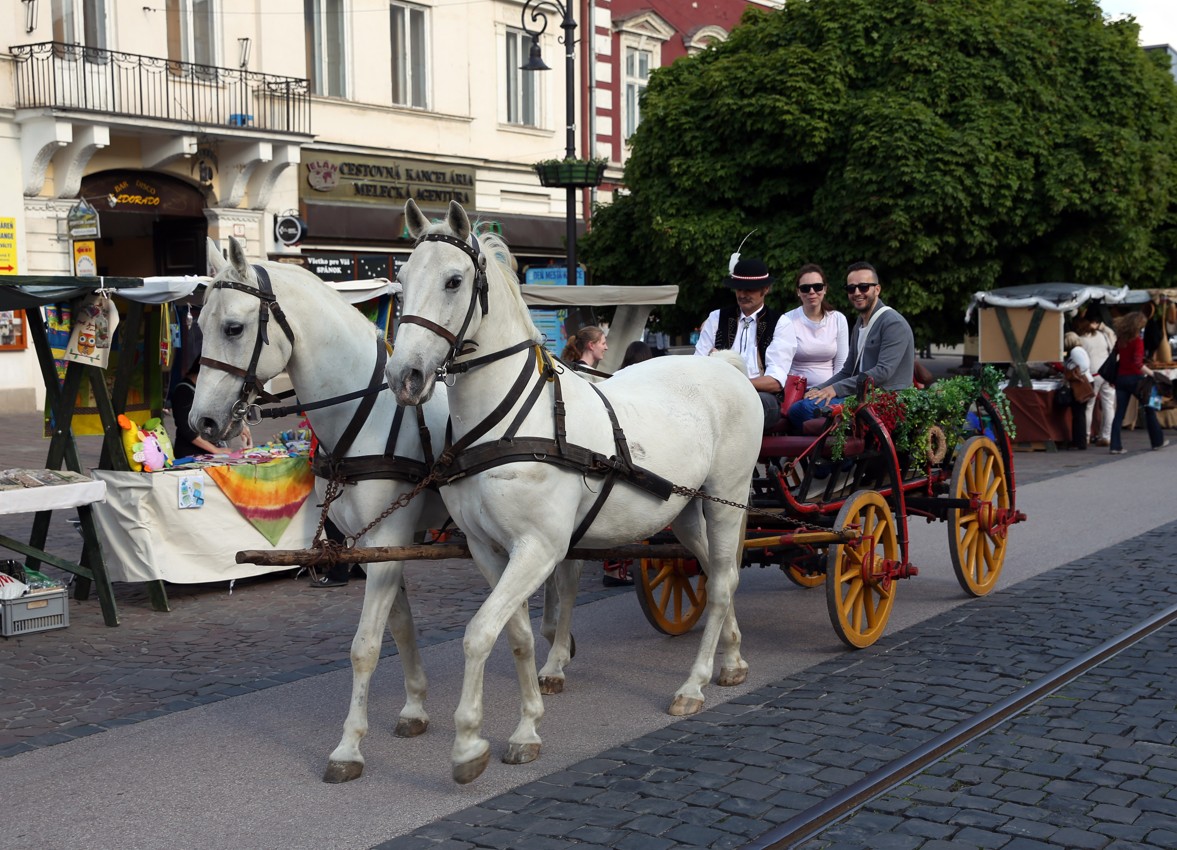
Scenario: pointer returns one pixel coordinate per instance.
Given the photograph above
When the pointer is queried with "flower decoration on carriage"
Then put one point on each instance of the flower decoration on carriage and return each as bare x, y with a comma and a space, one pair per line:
925, 424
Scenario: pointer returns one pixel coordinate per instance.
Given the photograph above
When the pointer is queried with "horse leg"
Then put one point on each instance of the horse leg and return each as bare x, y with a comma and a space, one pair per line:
383, 594
722, 578
507, 602
559, 602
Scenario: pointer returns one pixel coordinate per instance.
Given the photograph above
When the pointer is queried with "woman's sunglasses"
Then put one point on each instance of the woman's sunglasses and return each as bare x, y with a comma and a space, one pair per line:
811, 287
860, 288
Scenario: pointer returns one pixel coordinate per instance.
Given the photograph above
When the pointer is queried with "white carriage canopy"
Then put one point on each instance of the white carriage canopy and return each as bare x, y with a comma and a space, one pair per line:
1055, 297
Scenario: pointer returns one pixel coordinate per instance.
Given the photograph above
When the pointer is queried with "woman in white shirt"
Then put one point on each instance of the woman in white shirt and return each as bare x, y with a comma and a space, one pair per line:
821, 332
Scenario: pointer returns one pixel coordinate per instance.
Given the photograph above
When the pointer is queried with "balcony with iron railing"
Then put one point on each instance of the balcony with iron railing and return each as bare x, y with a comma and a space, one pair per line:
74, 77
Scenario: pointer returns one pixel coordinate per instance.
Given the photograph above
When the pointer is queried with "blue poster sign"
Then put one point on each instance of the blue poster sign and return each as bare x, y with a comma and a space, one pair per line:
552, 321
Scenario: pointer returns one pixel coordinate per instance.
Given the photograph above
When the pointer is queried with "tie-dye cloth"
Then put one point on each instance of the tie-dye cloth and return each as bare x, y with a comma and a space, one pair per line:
266, 494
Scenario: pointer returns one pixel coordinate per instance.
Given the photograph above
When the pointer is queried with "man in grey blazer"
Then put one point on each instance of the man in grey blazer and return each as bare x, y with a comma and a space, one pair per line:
881, 347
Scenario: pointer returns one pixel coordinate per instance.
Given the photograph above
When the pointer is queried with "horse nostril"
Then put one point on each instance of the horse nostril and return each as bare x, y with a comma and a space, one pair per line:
206, 426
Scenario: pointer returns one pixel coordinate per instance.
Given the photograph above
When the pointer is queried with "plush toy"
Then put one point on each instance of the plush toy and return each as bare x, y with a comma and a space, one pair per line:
144, 453
155, 426
130, 440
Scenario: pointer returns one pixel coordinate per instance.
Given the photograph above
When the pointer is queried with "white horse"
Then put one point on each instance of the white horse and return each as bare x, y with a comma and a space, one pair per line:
333, 351
692, 420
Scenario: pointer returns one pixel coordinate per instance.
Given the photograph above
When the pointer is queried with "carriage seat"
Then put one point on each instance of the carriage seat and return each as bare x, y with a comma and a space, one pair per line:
790, 446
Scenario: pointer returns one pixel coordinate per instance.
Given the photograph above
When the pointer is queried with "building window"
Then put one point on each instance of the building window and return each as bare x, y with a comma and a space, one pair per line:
325, 46
90, 29
409, 56
521, 85
637, 76
192, 31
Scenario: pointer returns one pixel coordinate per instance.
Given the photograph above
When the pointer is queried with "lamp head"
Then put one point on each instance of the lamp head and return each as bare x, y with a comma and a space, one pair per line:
535, 60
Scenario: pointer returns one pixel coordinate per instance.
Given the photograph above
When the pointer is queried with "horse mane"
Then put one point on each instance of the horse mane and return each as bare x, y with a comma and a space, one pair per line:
298, 276
500, 269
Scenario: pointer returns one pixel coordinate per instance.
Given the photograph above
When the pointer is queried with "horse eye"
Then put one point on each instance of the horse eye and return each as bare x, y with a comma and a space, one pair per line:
454, 282
234, 329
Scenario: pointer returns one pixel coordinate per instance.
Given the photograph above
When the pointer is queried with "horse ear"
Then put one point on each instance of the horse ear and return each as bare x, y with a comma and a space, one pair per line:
238, 259
458, 221
216, 260
415, 220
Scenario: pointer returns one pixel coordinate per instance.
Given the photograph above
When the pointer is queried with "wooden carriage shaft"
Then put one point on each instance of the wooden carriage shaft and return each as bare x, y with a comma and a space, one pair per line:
443, 551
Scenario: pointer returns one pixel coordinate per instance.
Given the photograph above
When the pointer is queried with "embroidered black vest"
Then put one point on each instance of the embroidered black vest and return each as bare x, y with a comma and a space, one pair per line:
728, 330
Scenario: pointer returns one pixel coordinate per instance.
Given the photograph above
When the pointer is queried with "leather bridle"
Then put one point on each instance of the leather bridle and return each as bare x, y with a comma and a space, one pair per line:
245, 408
478, 295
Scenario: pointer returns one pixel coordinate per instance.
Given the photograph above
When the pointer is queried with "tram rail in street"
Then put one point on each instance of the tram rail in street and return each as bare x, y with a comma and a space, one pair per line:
812, 821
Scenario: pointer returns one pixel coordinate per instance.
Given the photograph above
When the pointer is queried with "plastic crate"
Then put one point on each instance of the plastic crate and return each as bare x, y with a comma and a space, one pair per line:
34, 612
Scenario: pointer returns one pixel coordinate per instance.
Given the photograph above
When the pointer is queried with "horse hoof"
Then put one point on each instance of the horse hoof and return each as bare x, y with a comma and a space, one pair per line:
549, 685
410, 727
730, 676
683, 706
521, 753
467, 772
342, 771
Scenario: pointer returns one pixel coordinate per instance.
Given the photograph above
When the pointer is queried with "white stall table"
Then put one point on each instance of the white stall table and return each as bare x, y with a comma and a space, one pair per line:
147, 536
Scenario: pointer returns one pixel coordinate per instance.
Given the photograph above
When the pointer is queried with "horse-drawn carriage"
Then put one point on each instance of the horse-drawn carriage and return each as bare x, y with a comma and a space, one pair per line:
535, 465
832, 507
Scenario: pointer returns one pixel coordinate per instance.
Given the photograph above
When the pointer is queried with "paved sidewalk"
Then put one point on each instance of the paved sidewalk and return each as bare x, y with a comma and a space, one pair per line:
1094, 766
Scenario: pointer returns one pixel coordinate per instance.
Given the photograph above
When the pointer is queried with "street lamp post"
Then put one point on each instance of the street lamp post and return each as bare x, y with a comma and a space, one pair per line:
537, 10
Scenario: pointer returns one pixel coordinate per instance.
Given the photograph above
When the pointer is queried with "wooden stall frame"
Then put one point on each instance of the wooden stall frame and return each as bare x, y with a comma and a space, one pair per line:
61, 399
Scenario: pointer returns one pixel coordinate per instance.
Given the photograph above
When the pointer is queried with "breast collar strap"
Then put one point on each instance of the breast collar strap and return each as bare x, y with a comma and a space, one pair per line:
251, 387
479, 295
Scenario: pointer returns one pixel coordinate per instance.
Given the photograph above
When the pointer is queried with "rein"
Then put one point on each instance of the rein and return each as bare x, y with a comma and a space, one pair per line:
479, 294
251, 387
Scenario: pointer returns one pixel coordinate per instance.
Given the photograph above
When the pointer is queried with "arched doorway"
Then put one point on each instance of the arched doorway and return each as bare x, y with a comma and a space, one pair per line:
152, 224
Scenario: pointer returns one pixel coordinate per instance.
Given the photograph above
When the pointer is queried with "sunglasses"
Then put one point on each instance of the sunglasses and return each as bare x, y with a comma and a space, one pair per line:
811, 287
860, 288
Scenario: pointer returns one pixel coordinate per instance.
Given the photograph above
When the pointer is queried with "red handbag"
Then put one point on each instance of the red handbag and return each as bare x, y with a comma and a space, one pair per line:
795, 386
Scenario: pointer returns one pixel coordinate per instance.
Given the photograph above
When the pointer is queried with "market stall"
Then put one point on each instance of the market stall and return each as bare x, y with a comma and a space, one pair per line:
1021, 325
185, 525
142, 525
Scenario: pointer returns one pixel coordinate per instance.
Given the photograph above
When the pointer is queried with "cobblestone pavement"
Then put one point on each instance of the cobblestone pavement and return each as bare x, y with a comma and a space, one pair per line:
1094, 766
712, 780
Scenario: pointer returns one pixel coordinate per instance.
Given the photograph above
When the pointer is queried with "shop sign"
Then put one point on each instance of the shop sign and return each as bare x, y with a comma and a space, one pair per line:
8, 246
557, 275
289, 229
331, 266
82, 221
85, 260
384, 180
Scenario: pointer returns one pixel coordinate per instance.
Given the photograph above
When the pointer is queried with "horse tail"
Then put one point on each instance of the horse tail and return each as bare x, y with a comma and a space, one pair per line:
729, 356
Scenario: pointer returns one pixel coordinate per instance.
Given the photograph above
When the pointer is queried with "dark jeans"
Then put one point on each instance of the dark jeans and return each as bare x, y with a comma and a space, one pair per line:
806, 409
772, 410
1125, 388
1079, 424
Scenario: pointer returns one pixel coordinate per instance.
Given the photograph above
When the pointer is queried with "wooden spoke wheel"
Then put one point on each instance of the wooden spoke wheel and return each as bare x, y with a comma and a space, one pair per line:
672, 593
859, 596
802, 578
976, 540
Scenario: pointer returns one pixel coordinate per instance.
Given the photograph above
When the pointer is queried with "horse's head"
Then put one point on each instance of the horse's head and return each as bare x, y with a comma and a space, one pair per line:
242, 347
445, 299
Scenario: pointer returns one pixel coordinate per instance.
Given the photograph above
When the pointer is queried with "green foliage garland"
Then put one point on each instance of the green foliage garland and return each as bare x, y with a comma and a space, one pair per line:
912, 413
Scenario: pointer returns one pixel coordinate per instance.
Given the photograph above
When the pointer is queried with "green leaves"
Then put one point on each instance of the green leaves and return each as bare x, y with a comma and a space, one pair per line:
958, 146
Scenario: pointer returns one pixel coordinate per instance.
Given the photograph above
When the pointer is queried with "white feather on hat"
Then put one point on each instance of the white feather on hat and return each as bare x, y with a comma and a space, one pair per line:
735, 258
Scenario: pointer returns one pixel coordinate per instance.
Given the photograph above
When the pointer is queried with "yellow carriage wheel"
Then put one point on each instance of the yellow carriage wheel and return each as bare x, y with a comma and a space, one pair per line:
858, 598
672, 593
976, 542
801, 578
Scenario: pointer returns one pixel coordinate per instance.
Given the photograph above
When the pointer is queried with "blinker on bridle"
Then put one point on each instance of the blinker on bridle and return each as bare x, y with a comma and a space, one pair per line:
479, 295
245, 408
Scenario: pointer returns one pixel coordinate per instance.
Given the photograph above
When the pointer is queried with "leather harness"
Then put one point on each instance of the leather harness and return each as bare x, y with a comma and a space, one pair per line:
326, 463
463, 458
